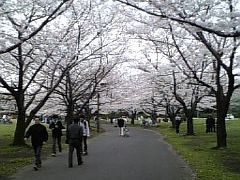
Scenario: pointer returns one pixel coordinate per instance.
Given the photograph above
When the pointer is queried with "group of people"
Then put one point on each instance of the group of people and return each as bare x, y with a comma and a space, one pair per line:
76, 135
210, 124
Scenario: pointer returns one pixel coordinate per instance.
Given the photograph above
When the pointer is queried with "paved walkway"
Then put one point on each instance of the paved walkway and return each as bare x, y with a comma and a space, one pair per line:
142, 156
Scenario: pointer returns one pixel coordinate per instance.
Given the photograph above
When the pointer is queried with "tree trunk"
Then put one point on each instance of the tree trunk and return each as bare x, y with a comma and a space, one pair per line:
88, 112
69, 116
70, 105
132, 120
172, 119
190, 130
221, 133
98, 109
222, 108
171, 114
19, 133
133, 116
189, 115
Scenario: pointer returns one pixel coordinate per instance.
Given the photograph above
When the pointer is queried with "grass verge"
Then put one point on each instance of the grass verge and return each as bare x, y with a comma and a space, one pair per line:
200, 154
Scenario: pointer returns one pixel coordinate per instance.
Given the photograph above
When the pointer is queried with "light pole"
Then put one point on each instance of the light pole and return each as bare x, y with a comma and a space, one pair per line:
101, 89
98, 108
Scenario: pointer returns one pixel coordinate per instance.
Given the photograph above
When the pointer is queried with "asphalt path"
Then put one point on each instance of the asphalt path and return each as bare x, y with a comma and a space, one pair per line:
142, 156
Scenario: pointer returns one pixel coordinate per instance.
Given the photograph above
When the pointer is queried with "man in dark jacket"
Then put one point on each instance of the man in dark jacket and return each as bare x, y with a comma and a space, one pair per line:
74, 138
38, 134
56, 135
121, 124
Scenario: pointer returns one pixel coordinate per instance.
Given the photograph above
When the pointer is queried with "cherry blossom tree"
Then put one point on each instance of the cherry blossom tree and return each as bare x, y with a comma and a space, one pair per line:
28, 70
96, 40
216, 25
22, 20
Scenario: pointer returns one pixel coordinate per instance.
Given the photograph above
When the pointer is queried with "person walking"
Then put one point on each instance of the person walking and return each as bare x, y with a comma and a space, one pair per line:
121, 123
39, 134
86, 134
56, 136
74, 139
177, 123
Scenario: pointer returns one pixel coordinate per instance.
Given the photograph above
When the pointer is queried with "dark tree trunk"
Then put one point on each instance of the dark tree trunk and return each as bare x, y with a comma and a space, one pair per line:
19, 97
133, 117
19, 133
190, 130
88, 112
222, 108
172, 119
70, 105
98, 109
70, 114
221, 133
171, 114
189, 116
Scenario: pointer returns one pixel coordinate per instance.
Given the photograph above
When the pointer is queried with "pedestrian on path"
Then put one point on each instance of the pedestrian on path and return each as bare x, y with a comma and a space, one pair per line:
74, 139
39, 134
86, 134
121, 124
56, 136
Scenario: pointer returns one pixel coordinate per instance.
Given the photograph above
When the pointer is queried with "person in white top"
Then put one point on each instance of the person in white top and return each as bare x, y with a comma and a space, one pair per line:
86, 134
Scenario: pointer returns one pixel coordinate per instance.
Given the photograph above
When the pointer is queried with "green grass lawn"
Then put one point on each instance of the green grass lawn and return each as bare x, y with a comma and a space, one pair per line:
198, 150
11, 157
